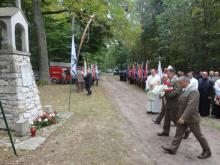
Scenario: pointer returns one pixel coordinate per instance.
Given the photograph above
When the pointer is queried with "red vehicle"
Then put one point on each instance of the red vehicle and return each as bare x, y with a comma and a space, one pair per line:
59, 74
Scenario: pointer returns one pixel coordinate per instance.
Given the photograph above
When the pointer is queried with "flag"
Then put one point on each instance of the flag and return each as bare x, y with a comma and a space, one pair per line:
159, 69
133, 72
136, 72
97, 70
146, 70
140, 71
85, 67
73, 58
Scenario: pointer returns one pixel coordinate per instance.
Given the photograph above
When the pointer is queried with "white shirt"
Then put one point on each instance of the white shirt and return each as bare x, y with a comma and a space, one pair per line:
194, 83
217, 87
152, 81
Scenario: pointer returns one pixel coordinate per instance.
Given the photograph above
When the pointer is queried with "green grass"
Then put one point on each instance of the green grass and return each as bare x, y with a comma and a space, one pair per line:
211, 122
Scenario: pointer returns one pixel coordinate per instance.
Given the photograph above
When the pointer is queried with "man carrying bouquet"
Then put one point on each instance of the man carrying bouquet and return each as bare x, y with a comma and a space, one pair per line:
172, 97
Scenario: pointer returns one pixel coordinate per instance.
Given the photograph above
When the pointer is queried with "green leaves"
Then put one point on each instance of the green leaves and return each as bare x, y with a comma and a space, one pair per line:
183, 32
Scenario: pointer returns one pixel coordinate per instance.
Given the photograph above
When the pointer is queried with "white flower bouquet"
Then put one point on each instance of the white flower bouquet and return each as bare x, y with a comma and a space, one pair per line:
158, 90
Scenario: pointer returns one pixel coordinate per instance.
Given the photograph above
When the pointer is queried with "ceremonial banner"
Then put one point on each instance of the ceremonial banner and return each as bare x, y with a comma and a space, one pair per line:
73, 58
85, 67
146, 70
136, 72
159, 69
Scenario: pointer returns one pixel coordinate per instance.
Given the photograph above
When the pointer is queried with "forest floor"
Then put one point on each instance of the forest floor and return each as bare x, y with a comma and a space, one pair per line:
111, 127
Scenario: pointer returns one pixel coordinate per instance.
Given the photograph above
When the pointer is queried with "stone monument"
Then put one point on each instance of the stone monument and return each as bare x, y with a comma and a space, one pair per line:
18, 90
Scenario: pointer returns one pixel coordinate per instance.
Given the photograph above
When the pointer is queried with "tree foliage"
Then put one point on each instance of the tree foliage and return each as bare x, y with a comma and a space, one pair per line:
185, 33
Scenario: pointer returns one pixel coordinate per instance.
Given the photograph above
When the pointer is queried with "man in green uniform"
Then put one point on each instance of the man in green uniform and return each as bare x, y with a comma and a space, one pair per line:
171, 97
188, 116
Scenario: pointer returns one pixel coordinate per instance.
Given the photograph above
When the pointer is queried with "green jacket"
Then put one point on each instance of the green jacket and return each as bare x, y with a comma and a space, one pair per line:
172, 98
189, 106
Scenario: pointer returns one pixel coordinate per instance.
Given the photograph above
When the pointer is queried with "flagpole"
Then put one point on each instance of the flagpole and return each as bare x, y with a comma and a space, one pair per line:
84, 35
71, 78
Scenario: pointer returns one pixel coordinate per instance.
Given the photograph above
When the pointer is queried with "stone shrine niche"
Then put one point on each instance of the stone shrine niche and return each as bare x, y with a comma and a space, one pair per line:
3, 35
18, 90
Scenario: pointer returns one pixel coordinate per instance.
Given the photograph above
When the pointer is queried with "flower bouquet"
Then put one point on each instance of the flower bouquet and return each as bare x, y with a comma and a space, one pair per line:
46, 119
157, 90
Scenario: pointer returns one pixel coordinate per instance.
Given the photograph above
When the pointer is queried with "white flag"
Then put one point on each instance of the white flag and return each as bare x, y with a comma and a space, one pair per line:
97, 70
85, 67
73, 58
159, 69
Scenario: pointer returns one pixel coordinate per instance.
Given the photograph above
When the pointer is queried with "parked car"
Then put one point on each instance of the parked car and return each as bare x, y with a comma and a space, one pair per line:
116, 72
123, 75
108, 70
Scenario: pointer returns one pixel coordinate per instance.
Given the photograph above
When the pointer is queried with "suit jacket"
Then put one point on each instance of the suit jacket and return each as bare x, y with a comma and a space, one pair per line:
80, 76
189, 106
172, 98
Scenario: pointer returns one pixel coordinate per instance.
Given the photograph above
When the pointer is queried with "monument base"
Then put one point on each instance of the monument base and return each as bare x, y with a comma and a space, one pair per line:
18, 90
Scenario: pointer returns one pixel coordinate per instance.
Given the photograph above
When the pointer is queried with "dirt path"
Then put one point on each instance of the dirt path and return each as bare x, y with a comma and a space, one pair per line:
132, 103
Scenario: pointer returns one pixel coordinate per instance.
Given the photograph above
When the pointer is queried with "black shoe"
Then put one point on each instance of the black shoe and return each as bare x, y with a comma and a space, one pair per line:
156, 122
162, 134
169, 150
205, 155
186, 135
149, 112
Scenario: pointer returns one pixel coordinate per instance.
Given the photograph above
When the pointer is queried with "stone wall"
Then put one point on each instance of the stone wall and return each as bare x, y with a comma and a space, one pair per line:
20, 99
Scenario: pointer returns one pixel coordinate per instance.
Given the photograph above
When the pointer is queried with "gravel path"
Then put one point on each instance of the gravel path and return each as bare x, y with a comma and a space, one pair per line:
131, 101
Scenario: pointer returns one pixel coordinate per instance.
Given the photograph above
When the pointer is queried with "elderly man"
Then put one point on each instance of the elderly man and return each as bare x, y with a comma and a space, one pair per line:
88, 81
206, 92
80, 80
153, 101
216, 75
194, 82
171, 97
188, 116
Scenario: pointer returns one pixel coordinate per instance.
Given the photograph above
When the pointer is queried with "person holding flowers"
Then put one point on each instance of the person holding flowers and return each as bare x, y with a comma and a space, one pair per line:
171, 96
153, 99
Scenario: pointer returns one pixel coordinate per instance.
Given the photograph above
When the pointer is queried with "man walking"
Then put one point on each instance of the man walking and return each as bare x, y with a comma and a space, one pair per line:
88, 82
188, 116
80, 80
171, 97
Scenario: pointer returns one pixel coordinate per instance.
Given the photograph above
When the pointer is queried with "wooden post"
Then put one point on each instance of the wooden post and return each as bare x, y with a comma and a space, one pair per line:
84, 34
8, 129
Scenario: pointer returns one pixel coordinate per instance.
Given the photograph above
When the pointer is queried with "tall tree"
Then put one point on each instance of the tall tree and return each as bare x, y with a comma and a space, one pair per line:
41, 41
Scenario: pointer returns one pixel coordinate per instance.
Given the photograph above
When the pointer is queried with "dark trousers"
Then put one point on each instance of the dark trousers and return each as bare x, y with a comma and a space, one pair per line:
162, 113
97, 82
88, 89
196, 130
80, 86
170, 115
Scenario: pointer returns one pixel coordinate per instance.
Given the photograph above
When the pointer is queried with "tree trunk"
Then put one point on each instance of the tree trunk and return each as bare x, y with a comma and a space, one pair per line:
41, 41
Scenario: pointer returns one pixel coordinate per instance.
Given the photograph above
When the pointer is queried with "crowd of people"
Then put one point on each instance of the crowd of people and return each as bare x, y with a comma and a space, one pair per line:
86, 78
208, 84
182, 99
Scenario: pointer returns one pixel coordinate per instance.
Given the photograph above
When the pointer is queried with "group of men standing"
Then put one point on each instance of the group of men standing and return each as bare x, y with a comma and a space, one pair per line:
86, 80
180, 104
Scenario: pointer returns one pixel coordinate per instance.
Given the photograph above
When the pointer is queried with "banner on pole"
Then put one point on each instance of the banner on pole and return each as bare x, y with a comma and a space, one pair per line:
73, 58
160, 72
